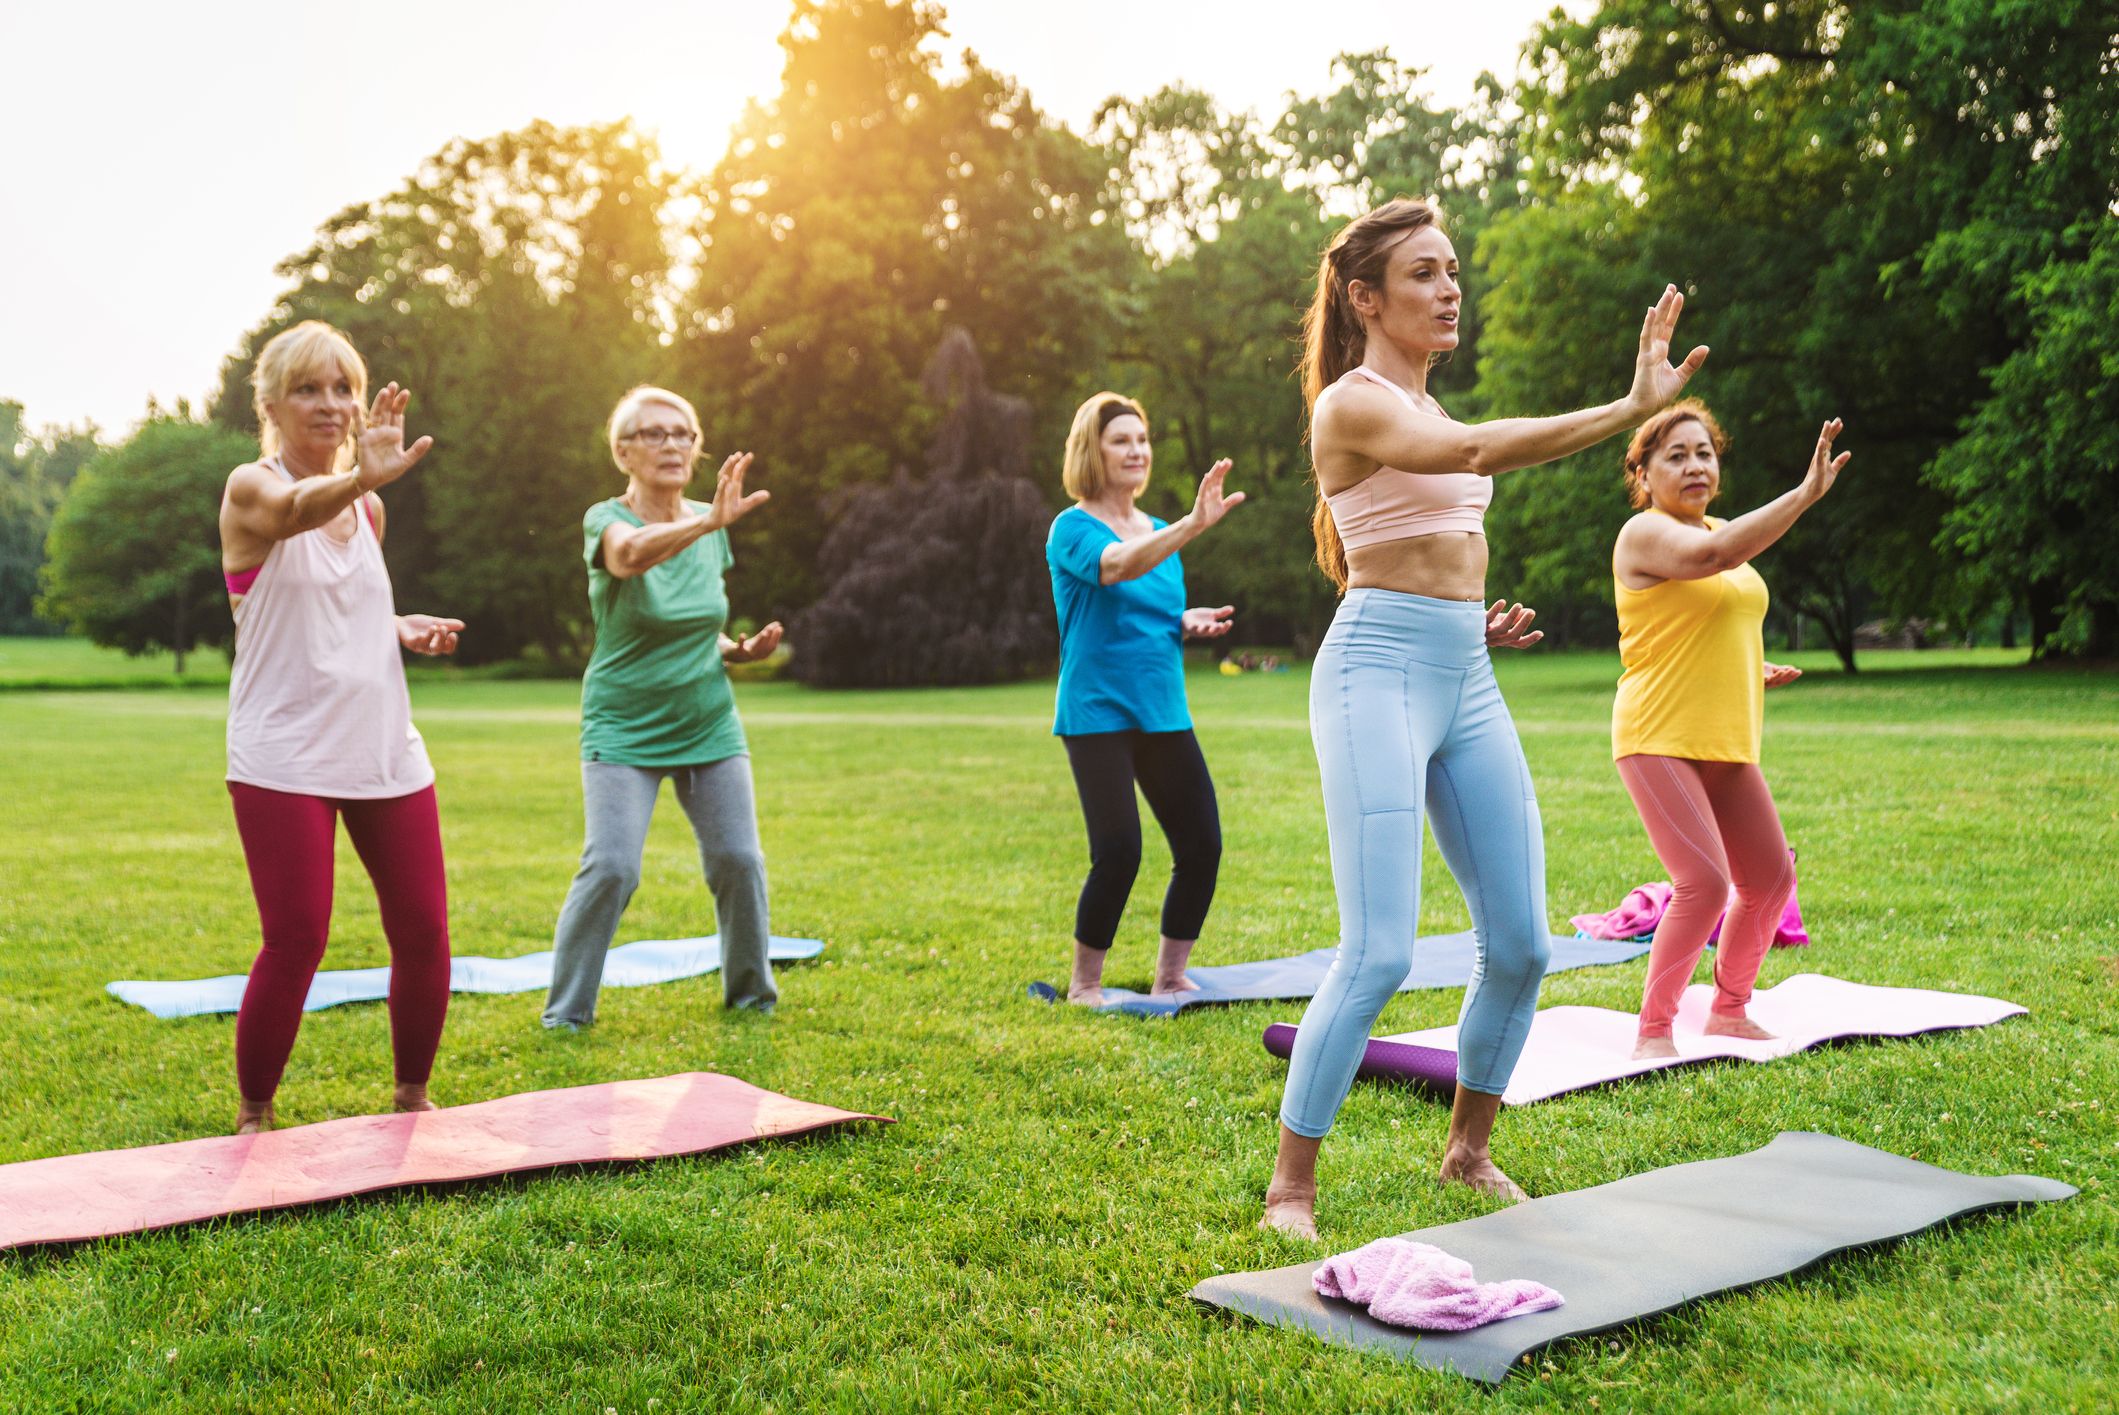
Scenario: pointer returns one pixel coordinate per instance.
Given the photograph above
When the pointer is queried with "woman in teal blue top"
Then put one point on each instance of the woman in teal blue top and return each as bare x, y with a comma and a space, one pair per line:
655, 703
1120, 593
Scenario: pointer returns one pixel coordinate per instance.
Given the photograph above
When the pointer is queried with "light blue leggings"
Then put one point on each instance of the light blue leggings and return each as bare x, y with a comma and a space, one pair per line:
1408, 720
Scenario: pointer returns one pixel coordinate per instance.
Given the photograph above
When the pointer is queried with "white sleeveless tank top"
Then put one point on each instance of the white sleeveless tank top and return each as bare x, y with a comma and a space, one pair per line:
316, 699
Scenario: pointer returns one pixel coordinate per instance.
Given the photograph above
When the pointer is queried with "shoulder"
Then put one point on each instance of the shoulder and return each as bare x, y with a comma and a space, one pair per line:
603, 513
1074, 522
250, 476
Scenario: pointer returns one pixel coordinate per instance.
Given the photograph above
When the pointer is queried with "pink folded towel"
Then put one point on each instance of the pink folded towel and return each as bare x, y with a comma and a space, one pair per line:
1643, 908
1412, 1284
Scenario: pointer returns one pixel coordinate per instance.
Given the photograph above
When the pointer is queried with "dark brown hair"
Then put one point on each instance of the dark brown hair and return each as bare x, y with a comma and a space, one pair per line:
1333, 340
1649, 436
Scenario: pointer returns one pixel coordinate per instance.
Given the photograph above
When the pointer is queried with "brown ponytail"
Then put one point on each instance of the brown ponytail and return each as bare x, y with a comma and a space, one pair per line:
1333, 340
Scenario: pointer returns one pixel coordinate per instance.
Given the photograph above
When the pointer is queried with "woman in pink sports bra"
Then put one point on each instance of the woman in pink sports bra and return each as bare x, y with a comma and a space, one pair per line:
319, 723
1404, 711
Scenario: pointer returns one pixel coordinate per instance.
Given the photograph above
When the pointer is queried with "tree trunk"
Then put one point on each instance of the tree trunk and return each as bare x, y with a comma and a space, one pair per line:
2042, 598
177, 639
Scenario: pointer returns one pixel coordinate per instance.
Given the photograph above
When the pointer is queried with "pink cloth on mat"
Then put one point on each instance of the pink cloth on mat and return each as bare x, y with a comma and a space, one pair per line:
1642, 909
1412, 1284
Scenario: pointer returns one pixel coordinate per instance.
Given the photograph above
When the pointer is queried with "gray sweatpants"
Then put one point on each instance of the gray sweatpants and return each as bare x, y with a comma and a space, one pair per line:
619, 801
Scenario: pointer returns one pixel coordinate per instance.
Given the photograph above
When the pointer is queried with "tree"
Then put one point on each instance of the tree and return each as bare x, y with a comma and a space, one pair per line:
939, 580
857, 215
35, 471
517, 285
135, 548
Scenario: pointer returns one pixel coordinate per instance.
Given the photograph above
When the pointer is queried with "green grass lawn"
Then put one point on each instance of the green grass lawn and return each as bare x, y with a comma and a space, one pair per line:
1025, 1235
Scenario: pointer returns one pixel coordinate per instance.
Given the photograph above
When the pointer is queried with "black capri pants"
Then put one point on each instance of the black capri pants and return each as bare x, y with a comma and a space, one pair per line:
1173, 776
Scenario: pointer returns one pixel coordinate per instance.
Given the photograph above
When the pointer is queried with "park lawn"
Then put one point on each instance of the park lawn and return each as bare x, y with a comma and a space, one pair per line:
1025, 1235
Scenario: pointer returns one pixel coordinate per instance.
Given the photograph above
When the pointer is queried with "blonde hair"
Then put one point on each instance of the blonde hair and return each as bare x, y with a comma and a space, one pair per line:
1082, 468
626, 416
1649, 436
1333, 339
303, 352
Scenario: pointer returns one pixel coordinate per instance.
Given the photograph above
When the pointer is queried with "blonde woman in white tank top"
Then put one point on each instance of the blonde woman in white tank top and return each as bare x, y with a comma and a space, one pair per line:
319, 721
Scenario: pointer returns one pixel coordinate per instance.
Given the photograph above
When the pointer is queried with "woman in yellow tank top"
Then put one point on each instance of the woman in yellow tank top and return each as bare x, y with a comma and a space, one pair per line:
1685, 725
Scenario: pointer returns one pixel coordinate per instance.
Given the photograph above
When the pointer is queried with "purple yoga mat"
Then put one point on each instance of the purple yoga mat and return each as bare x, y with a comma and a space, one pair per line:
1574, 1048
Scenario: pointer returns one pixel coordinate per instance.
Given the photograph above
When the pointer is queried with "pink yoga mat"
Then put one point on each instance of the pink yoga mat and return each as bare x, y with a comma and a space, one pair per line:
1573, 1048
73, 1197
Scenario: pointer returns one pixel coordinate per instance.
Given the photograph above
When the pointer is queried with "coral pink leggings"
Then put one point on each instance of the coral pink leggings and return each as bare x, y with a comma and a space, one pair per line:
287, 842
1713, 825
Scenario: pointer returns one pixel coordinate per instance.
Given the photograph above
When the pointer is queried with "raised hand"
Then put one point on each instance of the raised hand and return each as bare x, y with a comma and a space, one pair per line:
1824, 467
1655, 380
1508, 626
1779, 675
383, 455
1206, 623
1210, 505
730, 504
757, 646
427, 633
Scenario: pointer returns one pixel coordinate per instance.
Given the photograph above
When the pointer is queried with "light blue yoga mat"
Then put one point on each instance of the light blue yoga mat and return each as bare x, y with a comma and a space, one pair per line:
1443, 961
632, 965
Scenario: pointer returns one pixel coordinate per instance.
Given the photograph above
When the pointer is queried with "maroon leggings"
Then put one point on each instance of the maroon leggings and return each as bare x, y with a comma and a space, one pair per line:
287, 842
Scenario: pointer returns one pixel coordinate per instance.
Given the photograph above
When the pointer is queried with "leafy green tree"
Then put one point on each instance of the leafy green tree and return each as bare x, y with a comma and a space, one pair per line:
871, 204
135, 549
35, 471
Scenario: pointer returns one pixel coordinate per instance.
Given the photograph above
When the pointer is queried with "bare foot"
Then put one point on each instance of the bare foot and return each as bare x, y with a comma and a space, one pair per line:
1655, 1049
1291, 1212
1165, 987
1086, 997
253, 1117
1478, 1171
1741, 1027
409, 1097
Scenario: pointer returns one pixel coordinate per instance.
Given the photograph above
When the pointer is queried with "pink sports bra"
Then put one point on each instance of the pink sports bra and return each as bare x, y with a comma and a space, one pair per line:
1391, 505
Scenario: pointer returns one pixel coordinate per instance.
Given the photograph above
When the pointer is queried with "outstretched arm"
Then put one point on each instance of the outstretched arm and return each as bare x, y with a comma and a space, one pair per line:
1131, 559
635, 550
1369, 421
757, 646
269, 508
1652, 549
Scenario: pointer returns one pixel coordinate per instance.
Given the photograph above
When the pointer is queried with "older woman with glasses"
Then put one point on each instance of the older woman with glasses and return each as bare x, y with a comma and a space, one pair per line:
655, 704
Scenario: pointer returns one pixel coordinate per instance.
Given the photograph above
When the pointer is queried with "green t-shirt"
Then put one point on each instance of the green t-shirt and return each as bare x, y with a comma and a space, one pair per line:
656, 693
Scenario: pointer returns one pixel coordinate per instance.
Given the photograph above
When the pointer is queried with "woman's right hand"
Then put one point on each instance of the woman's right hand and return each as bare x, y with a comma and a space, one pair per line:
383, 456
1210, 505
1655, 380
1824, 467
730, 504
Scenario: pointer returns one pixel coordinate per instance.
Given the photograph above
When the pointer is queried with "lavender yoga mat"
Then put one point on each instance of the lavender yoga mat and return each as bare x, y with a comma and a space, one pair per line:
1649, 1243
70, 1198
1573, 1048
1443, 961
632, 965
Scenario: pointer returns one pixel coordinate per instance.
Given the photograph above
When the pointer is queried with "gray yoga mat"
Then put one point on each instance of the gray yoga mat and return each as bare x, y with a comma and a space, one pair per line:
1648, 1243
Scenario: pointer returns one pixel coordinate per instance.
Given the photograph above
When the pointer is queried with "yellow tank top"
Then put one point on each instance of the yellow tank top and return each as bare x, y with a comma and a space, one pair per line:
1692, 658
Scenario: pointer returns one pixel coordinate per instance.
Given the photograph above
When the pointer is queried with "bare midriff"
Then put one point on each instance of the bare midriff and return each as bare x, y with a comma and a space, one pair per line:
1444, 565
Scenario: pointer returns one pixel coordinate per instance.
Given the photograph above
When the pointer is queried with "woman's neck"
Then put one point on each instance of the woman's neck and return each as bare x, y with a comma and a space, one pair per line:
1386, 360
651, 503
1114, 506
302, 463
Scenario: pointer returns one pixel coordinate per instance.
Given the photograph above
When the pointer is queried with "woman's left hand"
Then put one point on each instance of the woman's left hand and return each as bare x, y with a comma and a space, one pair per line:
1508, 626
427, 634
1780, 674
1209, 623
757, 646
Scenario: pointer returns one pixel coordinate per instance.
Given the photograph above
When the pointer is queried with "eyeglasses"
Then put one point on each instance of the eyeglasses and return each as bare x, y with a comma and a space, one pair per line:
656, 436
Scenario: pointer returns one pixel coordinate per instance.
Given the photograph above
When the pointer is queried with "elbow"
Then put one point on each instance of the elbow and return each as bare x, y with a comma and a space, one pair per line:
1473, 456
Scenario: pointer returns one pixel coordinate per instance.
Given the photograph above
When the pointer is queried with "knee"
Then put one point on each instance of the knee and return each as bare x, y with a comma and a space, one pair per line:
1115, 857
606, 872
1376, 971
1200, 855
1522, 958
1702, 884
735, 868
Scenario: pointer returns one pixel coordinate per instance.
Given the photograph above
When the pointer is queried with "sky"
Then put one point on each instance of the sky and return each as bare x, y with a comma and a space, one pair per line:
157, 160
